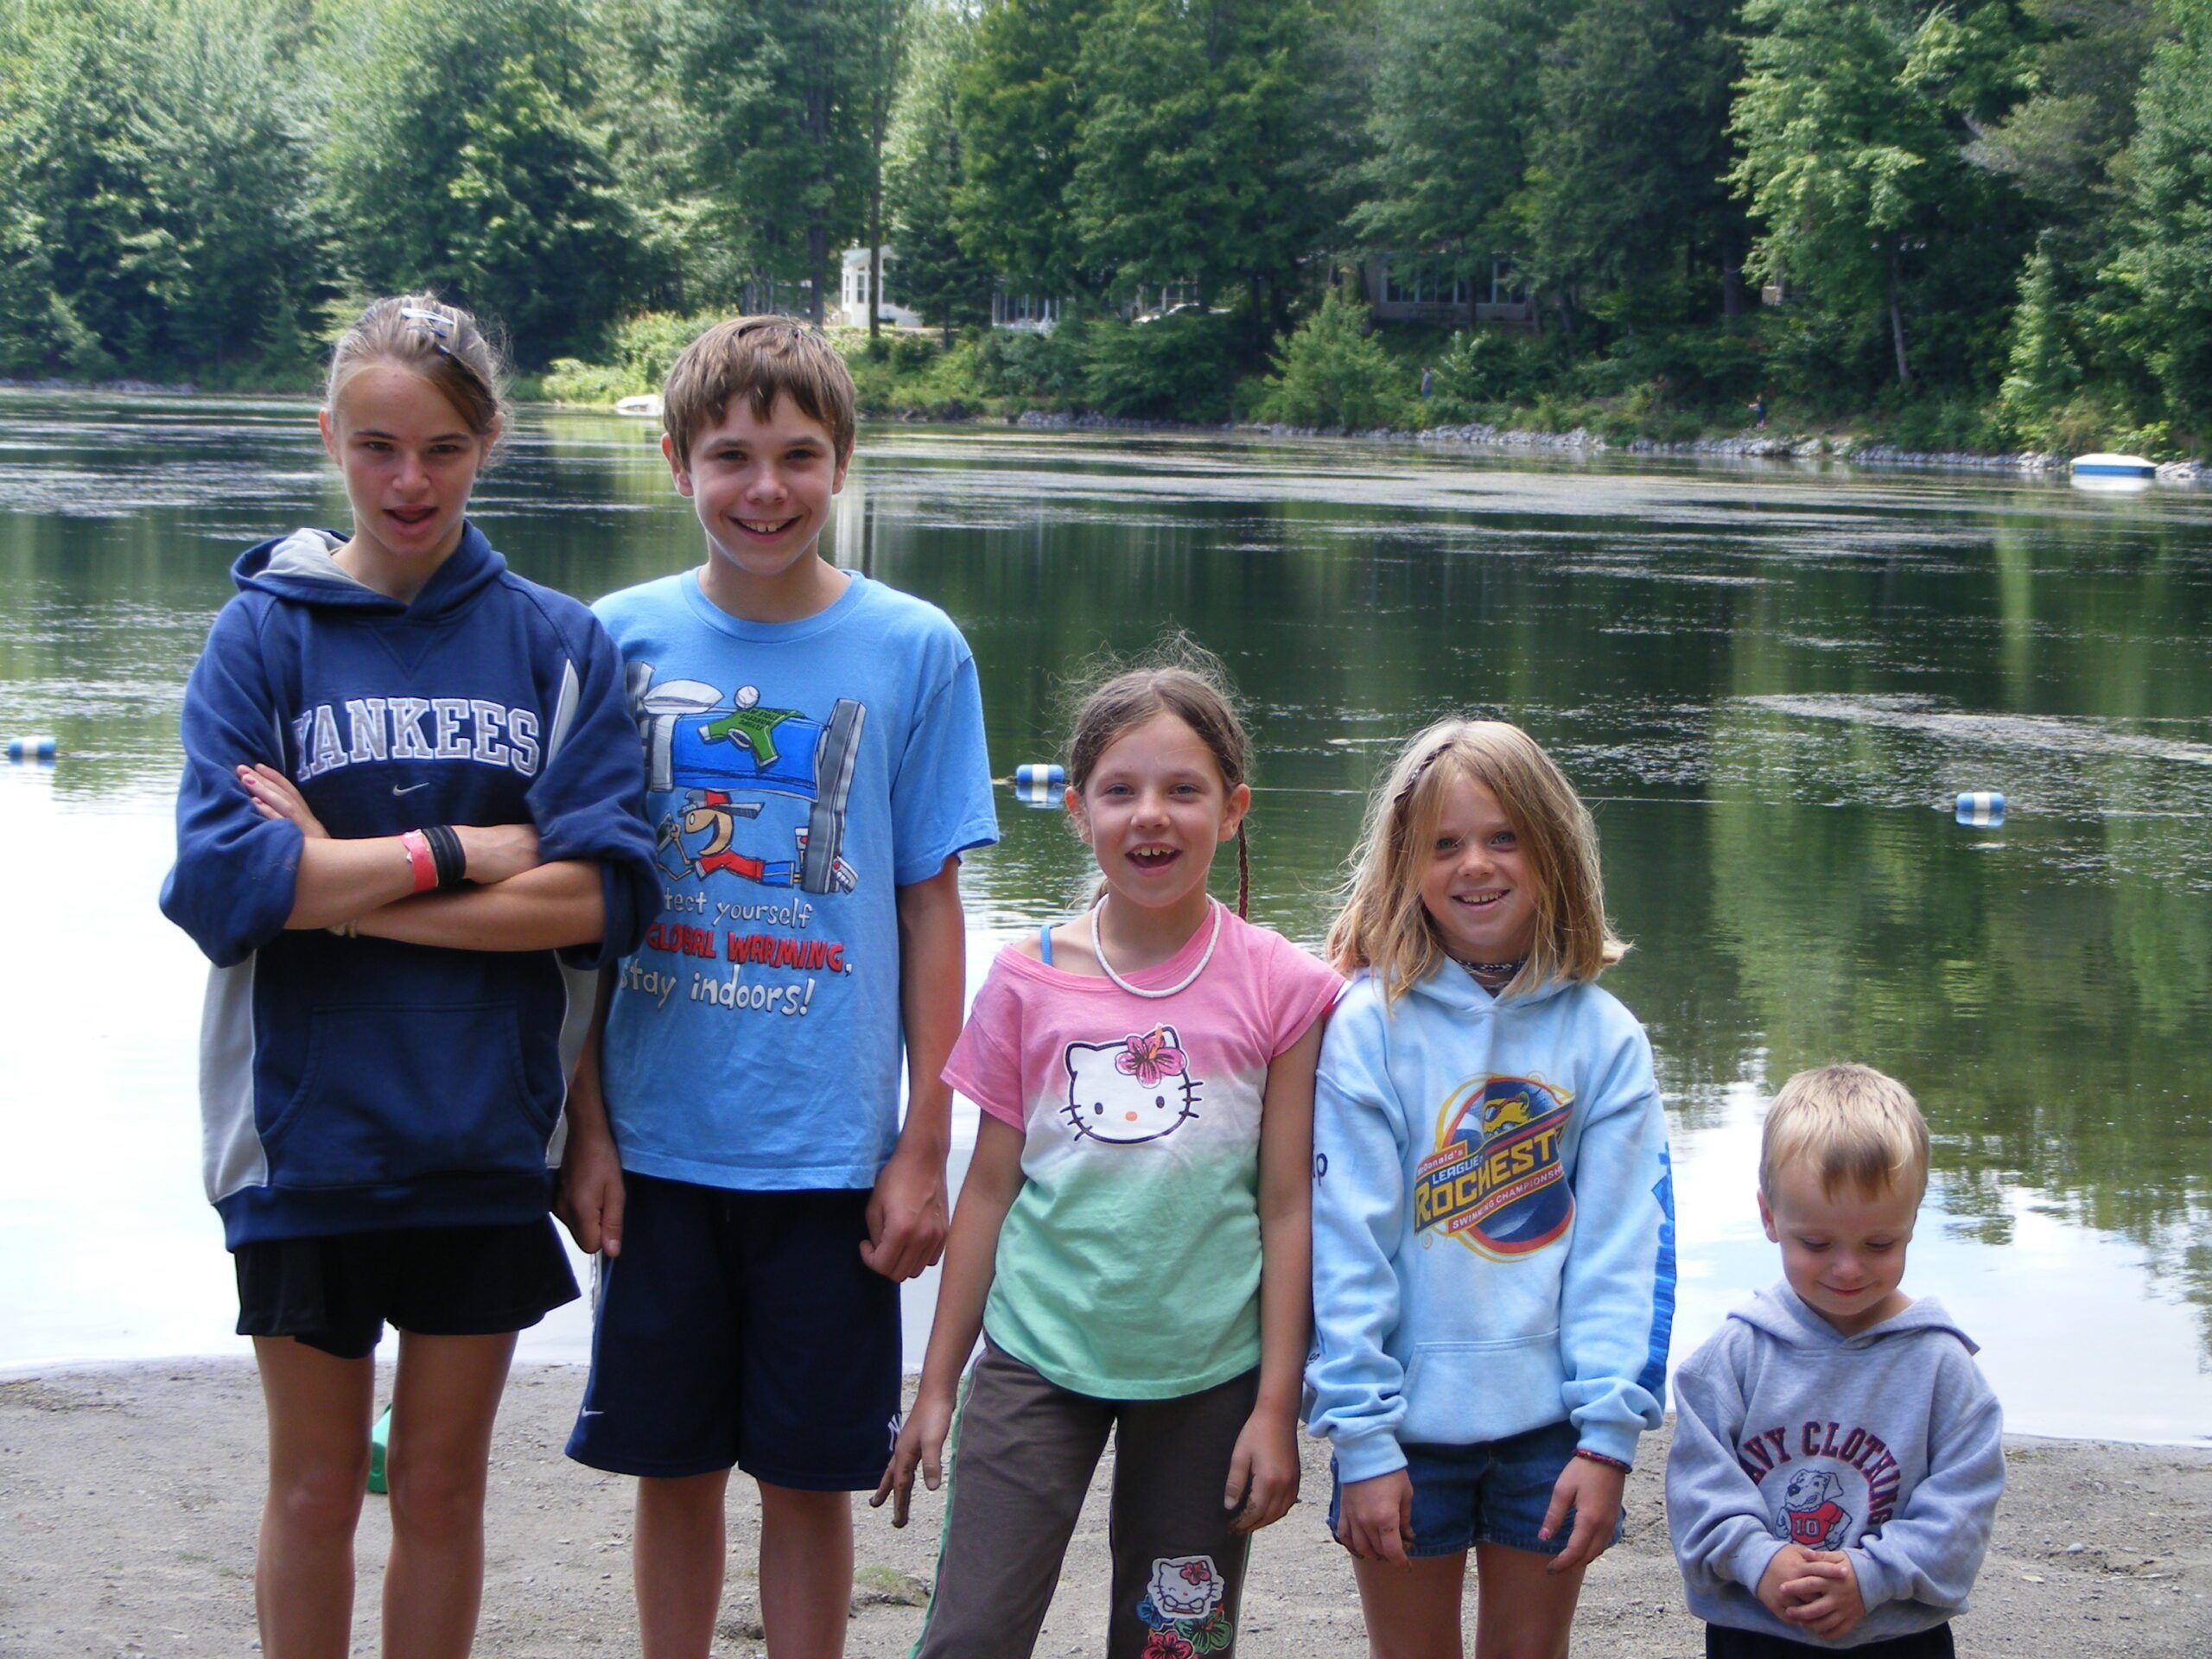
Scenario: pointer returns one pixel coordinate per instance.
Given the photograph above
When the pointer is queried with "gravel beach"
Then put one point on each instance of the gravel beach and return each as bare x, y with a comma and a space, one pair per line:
130, 1498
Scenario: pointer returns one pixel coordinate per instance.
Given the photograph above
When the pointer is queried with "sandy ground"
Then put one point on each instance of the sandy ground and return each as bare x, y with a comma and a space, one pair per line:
129, 1500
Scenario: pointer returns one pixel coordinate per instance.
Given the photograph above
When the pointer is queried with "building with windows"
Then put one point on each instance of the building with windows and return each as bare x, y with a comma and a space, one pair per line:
851, 308
1400, 291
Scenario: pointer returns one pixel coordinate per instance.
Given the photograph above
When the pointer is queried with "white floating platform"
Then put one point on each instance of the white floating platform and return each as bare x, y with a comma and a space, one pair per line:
2109, 466
646, 405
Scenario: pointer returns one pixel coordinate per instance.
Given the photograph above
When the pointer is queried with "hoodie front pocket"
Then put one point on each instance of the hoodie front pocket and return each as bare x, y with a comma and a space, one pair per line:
392, 1094
1457, 1393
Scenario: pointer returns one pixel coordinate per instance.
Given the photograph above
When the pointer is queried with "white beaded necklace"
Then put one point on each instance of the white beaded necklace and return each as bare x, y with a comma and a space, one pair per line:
1181, 985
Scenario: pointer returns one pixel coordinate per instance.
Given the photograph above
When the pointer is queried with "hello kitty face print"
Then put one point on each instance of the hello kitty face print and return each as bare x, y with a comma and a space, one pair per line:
1138, 1089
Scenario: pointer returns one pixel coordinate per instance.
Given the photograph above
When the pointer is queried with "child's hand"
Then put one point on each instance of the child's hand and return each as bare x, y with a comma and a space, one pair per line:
590, 1197
1825, 1595
906, 1216
1774, 1586
1375, 1518
276, 796
921, 1441
1592, 1491
1262, 1470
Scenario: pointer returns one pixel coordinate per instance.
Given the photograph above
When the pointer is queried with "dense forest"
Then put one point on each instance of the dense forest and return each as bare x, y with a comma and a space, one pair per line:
1985, 224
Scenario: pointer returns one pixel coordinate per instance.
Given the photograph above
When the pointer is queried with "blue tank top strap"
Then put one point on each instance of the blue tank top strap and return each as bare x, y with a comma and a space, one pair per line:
1045, 943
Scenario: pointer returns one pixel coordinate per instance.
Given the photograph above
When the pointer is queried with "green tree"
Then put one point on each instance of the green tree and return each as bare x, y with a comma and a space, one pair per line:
924, 174
1333, 372
1630, 147
158, 200
1455, 98
678, 263
777, 90
464, 157
884, 27
238, 170
1853, 119
1196, 159
2086, 60
2164, 262
1018, 116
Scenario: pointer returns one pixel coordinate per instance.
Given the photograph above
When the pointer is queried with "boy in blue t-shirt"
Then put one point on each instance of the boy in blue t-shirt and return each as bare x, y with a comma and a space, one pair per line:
814, 760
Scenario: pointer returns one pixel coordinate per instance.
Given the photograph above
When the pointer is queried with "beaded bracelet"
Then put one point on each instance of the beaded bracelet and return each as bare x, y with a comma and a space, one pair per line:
1599, 1457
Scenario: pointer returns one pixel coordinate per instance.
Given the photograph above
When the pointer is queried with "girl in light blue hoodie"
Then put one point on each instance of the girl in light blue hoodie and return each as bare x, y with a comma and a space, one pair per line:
1493, 1224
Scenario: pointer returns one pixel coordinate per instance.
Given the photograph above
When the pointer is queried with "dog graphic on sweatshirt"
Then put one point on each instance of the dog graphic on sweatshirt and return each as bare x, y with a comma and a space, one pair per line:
1817, 1520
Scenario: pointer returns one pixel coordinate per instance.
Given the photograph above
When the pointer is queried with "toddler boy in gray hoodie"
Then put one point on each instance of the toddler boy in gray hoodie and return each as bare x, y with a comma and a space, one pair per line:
1837, 1455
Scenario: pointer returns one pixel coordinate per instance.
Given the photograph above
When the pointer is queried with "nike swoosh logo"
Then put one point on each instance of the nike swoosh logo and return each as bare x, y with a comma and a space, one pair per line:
410, 788
588, 1412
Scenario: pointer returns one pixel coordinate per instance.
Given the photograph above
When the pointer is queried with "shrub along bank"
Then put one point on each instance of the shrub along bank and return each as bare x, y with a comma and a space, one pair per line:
1335, 371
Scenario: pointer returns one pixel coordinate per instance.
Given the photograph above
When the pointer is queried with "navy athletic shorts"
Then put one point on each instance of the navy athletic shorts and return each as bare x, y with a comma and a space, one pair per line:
742, 1328
335, 1293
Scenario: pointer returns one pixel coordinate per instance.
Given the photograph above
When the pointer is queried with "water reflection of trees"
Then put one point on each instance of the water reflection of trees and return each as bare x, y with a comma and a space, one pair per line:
1792, 895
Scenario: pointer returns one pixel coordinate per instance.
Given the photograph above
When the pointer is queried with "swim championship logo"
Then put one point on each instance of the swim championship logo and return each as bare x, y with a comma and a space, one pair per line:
1495, 1182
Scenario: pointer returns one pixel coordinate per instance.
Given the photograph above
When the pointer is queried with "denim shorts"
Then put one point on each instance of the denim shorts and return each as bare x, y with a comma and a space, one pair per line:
1492, 1492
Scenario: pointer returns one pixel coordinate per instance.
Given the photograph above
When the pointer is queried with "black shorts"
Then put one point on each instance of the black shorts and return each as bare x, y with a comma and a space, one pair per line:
1722, 1642
335, 1293
742, 1328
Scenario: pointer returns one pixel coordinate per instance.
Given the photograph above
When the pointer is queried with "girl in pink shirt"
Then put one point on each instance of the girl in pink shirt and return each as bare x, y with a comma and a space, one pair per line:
1132, 1240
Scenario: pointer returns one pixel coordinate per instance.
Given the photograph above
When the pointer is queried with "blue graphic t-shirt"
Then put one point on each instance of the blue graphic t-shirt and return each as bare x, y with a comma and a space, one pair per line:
797, 775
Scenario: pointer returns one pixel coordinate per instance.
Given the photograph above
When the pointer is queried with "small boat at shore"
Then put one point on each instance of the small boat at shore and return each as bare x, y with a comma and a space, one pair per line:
645, 405
2102, 465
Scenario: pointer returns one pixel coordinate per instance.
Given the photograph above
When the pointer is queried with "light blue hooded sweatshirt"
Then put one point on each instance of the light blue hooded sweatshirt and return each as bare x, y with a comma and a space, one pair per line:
1493, 1221
1887, 1446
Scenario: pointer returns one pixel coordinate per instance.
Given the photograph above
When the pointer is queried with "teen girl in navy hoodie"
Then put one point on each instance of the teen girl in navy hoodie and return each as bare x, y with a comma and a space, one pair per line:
410, 788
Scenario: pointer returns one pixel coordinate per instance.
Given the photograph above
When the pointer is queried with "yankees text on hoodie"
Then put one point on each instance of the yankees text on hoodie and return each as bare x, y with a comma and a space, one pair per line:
354, 1083
1887, 1446
1493, 1221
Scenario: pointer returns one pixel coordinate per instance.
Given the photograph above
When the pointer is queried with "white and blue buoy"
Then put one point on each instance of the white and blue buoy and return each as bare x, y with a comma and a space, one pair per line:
32, 748
1038, 795
1039, 774
1982, 809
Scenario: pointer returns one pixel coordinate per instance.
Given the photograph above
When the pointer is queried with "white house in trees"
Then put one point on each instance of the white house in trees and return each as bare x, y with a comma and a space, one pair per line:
852, 294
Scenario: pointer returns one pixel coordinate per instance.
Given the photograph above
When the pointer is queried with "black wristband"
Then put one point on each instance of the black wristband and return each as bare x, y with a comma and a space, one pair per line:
446, 853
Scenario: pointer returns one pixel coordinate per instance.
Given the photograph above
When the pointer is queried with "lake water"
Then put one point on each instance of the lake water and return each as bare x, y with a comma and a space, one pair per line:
1769, 682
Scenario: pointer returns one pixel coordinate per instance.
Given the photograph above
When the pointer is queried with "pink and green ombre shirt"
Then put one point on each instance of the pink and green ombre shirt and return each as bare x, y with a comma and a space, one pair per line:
1129, 1267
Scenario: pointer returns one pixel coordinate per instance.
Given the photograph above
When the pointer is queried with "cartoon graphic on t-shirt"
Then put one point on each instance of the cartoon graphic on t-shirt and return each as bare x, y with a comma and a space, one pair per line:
1138, 1089
724, 752
1816, 1520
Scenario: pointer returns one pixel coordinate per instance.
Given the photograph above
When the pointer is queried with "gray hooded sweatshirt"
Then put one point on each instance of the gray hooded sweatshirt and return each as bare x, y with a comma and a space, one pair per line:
1887, 1446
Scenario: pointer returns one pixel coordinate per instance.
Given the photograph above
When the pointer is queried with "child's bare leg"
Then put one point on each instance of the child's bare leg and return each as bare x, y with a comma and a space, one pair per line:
1521, 1611
676, 1562
317, 1408
1412, 1612
444, 1402
806, 1571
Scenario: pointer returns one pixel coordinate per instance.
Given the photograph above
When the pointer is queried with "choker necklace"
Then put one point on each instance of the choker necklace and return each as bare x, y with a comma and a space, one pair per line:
1492, 970
1181, 985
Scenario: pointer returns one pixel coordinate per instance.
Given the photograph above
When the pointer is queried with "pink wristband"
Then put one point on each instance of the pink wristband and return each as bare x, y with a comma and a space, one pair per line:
420, 861
1599, 1457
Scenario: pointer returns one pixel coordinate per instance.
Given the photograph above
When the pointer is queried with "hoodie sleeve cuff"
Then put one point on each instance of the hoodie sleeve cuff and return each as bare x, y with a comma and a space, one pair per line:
1368, 1456
1747, 1563
1874, 1585
1613, 1441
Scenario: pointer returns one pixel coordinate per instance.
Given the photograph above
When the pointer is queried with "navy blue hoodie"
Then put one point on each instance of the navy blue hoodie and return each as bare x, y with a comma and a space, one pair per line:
353, 1084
